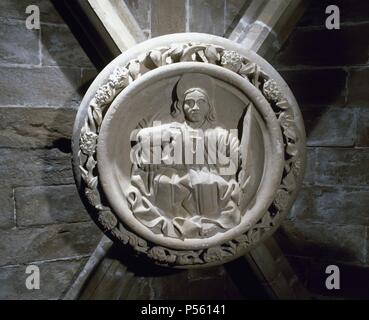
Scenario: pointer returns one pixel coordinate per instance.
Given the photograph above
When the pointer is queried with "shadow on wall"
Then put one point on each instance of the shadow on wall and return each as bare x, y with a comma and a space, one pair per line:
314, 89
237, 18
88, 30
69, 73
122, 275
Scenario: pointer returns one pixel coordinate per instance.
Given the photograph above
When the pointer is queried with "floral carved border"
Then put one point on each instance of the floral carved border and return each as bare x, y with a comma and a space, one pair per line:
206, 53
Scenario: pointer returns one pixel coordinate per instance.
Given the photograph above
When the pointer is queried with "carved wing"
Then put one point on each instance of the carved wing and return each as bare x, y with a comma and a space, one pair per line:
246, 175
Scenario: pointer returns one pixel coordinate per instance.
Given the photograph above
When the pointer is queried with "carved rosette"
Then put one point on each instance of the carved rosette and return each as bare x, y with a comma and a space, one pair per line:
122, 77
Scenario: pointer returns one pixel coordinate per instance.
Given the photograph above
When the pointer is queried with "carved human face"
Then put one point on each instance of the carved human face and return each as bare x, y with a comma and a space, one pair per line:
195, 107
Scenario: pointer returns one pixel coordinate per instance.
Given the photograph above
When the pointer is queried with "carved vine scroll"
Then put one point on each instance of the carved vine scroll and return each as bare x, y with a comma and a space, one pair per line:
121, 78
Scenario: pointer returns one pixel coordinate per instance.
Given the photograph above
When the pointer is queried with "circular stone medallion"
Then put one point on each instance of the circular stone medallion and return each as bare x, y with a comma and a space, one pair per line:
189, 152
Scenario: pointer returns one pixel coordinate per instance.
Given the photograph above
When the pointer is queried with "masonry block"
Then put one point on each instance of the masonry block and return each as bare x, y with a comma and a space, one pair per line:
60, 48
363, 127
207, 16
358, 93
233, 12
330, 126
333, 205
167, 17
322, 47
51, 242
338, 243
17, 10
320, 87
354, 280
344, 166
18, 44
47, 86
35, 167
6, 208
141, 11
55, 279
43, 205
34, 127
350, 10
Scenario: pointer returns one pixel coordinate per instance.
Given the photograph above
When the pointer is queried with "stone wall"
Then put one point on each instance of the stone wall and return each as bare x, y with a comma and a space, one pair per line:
158, 17
44, 74
328, 71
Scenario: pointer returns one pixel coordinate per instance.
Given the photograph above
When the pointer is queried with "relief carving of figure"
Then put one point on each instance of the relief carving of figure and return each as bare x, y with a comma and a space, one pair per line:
185, 177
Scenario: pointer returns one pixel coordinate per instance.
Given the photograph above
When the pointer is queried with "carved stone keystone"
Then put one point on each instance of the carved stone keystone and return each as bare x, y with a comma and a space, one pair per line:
190, 149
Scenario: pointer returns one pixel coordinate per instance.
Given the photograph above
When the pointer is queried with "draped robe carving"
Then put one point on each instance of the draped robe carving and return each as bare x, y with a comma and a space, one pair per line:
193, 191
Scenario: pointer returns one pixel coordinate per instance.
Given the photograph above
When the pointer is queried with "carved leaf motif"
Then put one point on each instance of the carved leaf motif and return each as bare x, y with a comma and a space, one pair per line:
231, 60
159, 253
107, 219
281, 199
289, 129
271, 90
126, 236
230, 248
91, 162
289, 182
283, 104
93, 196
248, 69
242, 239
286, 117
176, 53
155, 58
219, 252
120, 235
92, 183
141, 245
87, 142
188, 52
291, 149
84, 173
254, 235
134, 69
104, 94
200, 56
189, 258
296, 166
120, 77
213, 254
132, 240
290, 133
97, 114
166, 55
266, 222
212, 54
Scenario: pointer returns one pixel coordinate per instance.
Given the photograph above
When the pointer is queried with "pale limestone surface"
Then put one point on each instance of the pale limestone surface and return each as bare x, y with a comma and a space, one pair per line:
208, 217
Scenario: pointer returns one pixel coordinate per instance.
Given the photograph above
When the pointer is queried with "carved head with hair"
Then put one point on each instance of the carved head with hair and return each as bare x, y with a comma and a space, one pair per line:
195, 100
